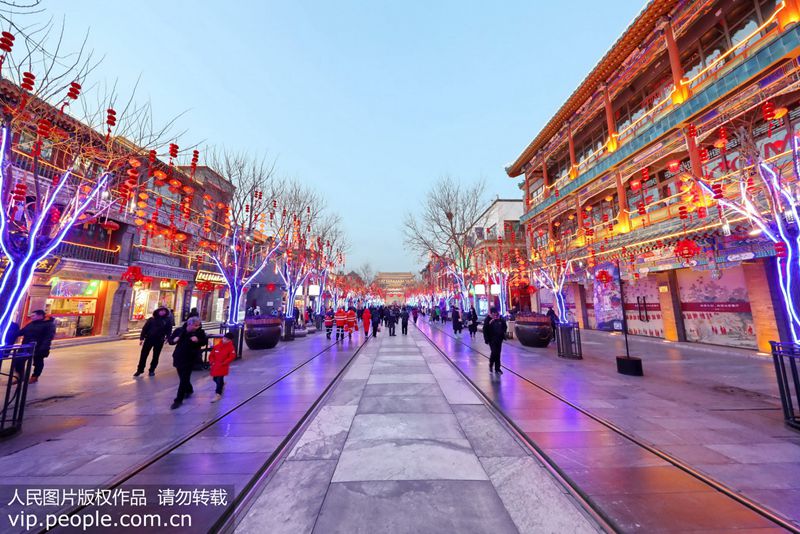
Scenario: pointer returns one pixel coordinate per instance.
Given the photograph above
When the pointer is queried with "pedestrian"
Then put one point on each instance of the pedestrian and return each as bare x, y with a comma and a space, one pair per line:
494, 332
41, 330
415, 314
189, 339
404, 321
376, 322
153, 334
456, 321
352, 325
341, 323
193, 313
473, 322
220, 359
553, 319
329, 322
391, 321
366, 317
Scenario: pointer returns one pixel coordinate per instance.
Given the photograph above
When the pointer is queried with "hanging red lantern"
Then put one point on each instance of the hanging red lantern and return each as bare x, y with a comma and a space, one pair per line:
683, 212
6, 42
780, 249
603, 276
687, 249
674, 166
28, 81
181, 283
691, 131
768, 109
703, 153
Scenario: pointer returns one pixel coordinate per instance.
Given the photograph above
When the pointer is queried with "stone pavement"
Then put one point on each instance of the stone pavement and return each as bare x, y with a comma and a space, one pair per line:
714, 409
87, 420
403, 444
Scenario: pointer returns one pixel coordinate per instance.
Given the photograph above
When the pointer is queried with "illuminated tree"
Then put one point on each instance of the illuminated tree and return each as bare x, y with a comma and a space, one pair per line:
768, 198
443, 230
57, 171
330, 245
300, 249
251, 231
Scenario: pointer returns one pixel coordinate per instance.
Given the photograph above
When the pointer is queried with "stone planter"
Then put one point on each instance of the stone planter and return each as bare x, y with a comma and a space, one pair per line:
533, 330
262, 332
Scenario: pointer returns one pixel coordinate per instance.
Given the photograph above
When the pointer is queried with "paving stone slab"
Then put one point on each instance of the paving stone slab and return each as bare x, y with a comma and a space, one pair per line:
325, 436
291, 502
404, 426
485, 433
412, 507
404, 404
418, 378
431, 459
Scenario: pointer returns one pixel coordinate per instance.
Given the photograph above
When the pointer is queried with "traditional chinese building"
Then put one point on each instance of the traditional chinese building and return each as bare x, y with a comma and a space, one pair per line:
634, 177
394, 284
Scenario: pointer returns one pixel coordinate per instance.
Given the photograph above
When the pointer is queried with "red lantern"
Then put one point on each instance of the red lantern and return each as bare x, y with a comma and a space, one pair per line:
686, 249
674, 166
780, 249
691, 131
768, 109
270, 287
182, 283
531, 290
603, 276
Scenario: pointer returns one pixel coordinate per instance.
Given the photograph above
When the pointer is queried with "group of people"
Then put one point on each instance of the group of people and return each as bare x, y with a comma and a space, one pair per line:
345, 322
189, 340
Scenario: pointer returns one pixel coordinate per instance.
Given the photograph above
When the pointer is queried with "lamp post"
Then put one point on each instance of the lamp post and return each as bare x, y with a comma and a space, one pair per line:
626, 365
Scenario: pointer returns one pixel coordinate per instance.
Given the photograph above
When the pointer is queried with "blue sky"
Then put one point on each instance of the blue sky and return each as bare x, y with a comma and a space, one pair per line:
369, 101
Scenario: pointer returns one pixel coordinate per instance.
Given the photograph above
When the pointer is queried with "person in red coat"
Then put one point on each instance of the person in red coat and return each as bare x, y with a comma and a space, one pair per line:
366, 319
220, 359
341, 323
351, 323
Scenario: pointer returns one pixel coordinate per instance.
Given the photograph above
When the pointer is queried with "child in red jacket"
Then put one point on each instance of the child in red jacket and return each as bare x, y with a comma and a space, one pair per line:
220, 359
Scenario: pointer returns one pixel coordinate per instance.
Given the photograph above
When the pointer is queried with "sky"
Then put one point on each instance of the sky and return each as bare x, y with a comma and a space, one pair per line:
367, 101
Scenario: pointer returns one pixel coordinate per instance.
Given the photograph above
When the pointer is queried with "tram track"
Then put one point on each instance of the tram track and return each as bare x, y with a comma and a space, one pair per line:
571, 485
225, 522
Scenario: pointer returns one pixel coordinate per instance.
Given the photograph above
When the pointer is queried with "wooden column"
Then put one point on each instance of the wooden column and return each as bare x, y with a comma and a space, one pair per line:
545, 178
670, 301
581, 312
765, 303
611, 124
790, 14
573, 169
622, 197
682, 92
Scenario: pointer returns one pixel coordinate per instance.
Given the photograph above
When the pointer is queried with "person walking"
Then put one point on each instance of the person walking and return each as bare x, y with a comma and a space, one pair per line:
415, 314
457, 326
220, 359
473, 322
376, 322
329, 322
352, 325
404, 321
189, 339
41, 330
391, 321
494, 332
366, 318
341, 323
154, 333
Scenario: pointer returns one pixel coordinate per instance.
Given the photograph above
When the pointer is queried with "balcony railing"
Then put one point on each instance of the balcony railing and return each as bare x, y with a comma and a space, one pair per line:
79, 251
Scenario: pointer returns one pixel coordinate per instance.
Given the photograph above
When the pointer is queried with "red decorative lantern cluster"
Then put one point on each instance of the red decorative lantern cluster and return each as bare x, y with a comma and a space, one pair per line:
195, 159
768, 109
182, 283
132, 274
691, 131
687, 249
781, 250
6, 42
28, 81
604, 277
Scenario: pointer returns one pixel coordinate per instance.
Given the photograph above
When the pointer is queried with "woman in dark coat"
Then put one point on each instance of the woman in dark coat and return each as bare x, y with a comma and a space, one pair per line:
457, 326
189, 341
473, 322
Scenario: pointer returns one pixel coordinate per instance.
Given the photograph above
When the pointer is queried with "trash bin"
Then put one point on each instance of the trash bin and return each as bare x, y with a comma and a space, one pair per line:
568, 341
15, 370
786, 357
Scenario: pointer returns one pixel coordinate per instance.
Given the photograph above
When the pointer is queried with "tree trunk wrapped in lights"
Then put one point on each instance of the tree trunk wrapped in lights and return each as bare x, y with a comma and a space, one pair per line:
769, 201
94, 165
252, 231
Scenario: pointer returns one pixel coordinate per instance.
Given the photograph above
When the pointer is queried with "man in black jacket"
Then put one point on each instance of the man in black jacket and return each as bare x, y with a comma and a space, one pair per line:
494, 332
41, 331
154, 333
188, 340
404, 321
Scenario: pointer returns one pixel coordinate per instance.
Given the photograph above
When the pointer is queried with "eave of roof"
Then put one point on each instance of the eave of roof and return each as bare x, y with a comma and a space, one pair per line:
643, 25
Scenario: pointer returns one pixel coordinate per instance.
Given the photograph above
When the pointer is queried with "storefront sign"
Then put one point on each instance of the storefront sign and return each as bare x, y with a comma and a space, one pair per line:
159, 271
46, 266
166, 284
716, 307
208, 276
741, 256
